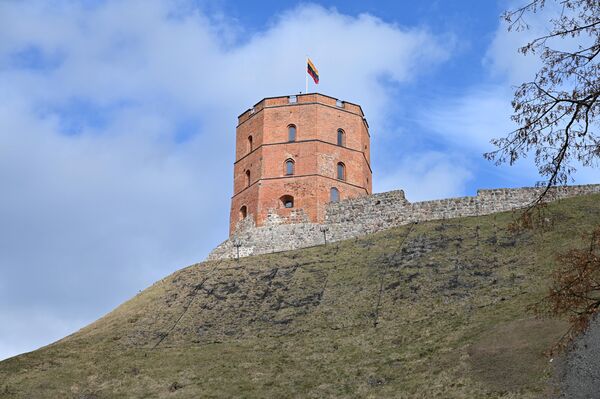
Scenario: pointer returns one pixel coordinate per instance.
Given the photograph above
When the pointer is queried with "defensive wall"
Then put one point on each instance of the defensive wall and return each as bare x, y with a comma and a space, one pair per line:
364, 215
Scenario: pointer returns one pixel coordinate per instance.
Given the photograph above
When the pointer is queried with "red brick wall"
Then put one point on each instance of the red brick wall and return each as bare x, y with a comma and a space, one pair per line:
315, 153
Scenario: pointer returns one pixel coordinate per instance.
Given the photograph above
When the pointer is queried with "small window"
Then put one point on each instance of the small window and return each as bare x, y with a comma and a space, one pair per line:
340, 138
293, 99
341, 171
247, 178
289, 167
243, 212
334, 194
291, 133
339, 103
287, 201
250, 144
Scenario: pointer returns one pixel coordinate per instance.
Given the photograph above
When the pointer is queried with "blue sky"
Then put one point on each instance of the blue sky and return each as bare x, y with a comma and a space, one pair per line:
117, 124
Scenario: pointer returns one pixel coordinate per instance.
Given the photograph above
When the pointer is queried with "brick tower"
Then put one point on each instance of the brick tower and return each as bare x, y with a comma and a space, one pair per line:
295, 154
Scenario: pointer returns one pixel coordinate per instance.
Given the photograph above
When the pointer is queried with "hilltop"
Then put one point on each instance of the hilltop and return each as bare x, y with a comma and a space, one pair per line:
434, 309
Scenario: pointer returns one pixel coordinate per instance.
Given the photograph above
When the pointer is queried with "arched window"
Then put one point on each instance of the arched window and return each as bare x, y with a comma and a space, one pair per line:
243, 212
287, 201
289, 167
340, 138
334, 194
250, 144
341, 171
247, 178
291, 133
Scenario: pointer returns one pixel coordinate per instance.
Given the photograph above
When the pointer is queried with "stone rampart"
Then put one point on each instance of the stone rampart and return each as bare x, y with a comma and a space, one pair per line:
364, 215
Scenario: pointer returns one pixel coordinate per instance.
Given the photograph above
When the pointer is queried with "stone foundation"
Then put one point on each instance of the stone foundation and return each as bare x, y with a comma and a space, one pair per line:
365, 215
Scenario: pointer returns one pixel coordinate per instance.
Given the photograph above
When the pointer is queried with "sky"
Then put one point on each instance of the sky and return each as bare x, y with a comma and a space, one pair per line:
117, 127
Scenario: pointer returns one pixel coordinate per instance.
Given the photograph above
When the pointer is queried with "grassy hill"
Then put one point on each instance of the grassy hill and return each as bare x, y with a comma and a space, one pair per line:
438, 309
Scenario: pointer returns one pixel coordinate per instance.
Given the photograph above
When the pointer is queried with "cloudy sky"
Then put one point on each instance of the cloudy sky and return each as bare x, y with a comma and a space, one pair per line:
117, 122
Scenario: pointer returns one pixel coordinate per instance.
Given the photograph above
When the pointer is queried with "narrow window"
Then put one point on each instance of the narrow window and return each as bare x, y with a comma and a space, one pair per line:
339, 103
341, 171
287, 201
340, 137
334, 194
291, 133
243, 212
289, 167
247, 178
250, 145
293, 99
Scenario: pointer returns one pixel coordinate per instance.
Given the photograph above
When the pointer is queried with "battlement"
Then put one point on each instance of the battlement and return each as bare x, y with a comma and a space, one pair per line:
299, 99
369, 214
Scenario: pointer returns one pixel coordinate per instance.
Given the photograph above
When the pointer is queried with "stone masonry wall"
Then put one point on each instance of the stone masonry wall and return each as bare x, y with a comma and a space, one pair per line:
364, 215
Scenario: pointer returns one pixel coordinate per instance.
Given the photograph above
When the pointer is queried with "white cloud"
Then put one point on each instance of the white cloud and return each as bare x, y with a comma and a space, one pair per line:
428, 175
503, 58
467, 123
471, 119
116, 137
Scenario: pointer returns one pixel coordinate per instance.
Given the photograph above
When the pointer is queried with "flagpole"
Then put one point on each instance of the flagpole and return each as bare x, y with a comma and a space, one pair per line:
306, 76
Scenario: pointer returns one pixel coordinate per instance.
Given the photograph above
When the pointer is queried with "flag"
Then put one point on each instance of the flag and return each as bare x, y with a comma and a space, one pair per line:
312, 71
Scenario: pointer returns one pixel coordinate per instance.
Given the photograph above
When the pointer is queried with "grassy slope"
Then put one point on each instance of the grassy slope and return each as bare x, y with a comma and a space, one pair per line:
437, 309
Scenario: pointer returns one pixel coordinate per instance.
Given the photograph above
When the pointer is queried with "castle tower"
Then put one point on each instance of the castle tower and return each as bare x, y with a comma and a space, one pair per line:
294, 155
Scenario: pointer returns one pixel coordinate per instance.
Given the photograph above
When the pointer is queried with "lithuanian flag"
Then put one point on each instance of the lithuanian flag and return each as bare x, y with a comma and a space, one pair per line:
312, 71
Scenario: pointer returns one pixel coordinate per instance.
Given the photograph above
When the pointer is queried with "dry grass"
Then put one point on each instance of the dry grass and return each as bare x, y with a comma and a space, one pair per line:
432, 310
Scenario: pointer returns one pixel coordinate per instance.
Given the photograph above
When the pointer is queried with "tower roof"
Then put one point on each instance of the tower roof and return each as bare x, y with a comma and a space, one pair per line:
299, 99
